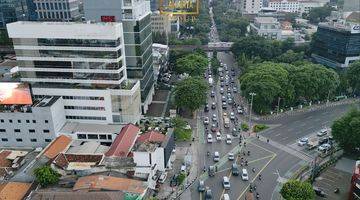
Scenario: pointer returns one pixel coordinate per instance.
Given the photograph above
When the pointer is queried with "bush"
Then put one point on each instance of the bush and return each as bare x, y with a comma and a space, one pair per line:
180, 178
259, 127
244, 127
294, 190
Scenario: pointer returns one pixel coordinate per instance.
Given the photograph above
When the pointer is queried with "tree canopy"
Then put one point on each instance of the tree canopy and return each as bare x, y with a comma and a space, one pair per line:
297, 190
346, 131
190, 93
192, 64
353, 75
293, 84
46, 176
319, 14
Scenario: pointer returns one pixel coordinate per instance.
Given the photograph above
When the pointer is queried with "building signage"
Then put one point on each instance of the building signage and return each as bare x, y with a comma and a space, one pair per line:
179, 7
355, 28
108, 18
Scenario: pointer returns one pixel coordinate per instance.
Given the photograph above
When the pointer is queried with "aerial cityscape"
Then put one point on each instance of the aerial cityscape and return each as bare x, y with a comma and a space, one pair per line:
179, 99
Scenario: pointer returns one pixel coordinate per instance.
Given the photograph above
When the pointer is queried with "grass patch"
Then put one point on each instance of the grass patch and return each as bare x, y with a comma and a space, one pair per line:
244, 127
180, 178
259, 127
182, 133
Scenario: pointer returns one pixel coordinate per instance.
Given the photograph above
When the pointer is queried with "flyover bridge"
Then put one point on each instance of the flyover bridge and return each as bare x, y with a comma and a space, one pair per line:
212, 46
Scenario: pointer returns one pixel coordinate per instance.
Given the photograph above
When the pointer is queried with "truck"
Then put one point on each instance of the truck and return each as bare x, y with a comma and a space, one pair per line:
313, 143
226, 122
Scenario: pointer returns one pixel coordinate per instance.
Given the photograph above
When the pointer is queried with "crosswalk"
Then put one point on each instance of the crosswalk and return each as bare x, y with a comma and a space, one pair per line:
290, 150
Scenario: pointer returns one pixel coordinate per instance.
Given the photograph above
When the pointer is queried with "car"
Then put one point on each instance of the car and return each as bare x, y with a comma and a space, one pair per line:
230, 101
208, 194
325, 140
201, 186
222, 84
224, 114
226, 197
319, 192
211, 170
223, 99
322, 132
216, 157
206, 108
229, 95
221, 90
212, 93
224, 105
214, 117
229, 90
162, 177
209, 138
324, 147
206, 120
227, 83
232, 116
214, 128
235, 132
218, 136
244, 175
228, 139
183, 168
240, 110
303, 141
231, 156
234, 89
235, 169
226, 183
213, 105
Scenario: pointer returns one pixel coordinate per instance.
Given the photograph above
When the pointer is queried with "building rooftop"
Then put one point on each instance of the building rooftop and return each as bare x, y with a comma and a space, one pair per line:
87, 147
57, 146
99, 182
151, 136
14, 190
340, 26
123, 142
71, 195
77, 161
76, 127
265, 20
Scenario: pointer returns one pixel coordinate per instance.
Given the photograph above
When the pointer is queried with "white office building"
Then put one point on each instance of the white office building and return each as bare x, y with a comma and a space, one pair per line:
249, 7
57, 10
285, 5
163, 23
81, 62
267, 27
306, 6
135, 17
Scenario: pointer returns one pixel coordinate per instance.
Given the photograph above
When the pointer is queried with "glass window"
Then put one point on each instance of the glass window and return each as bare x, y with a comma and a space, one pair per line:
92, 136
47, 140
34, 121
4, 139
2, 121
17, 130
102, 137
33, 140
2, 130
46, 121
31, 131
109, 137
19, 140
46, 131
81, 136
10, 121
19, 121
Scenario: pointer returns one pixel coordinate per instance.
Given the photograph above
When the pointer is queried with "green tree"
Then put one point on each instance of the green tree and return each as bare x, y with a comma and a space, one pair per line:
290, 57
192, 64
191, 93
353, 75
297, 190
159, 37
215, 64
346, 131
46, 176
319, 14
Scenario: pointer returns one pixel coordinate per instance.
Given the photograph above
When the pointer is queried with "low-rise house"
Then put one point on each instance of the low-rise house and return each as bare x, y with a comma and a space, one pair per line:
268, 27
14, 190
71, 195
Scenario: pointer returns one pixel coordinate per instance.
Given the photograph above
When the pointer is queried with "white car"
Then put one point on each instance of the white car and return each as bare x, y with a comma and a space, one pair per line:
226, 183
303, 141
209, 138
231, 156
322, 132
214, 118
232, 116
324, 147
239, 110
206, 120
226, 197
244, 175
218, 136
163, 177
228, 139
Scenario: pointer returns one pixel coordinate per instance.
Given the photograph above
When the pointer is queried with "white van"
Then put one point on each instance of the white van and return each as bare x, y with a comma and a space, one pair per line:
216, 156
228, 139
244, 175
209, 138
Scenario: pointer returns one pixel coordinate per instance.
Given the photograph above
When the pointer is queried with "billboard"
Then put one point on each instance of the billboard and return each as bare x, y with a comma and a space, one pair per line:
179, 7
15, 94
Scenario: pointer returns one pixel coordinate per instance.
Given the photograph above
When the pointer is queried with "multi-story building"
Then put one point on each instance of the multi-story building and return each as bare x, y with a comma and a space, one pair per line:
336, 44
267, 27
57, 10
163, 23
249, 7
306, 6
16, 10
135, 17
354, 192
81, 62
33, 125
285, 5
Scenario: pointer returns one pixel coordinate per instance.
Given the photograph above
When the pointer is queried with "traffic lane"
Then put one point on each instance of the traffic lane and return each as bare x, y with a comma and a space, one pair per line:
305, 125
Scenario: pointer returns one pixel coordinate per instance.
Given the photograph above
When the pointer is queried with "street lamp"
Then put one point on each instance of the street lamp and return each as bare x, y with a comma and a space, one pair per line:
252, 94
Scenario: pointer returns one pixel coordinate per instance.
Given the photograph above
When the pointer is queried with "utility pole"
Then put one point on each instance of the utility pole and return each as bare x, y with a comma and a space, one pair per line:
252, 94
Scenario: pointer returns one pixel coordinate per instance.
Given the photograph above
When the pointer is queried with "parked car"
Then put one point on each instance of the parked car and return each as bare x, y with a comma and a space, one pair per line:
322, 132
201, 186
244, 175
324, 147
319, 192
303, 141
231, 156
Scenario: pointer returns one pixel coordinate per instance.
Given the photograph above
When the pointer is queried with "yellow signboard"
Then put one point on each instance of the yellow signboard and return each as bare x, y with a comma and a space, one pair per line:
179, 7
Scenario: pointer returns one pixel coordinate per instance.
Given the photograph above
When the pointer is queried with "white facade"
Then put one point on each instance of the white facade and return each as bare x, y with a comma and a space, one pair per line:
267, 27
35, 127
306, 6
82, 62
149, 161
57, 10
285, 5
250, 6
164, 23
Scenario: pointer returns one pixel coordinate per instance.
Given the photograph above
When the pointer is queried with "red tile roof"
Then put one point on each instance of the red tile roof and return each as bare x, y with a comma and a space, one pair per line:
57, 146
123, 142
151, 136
63, 160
